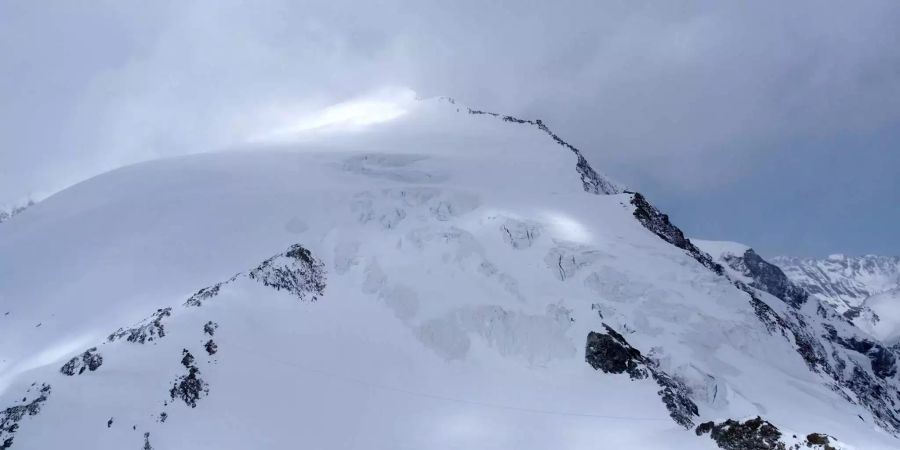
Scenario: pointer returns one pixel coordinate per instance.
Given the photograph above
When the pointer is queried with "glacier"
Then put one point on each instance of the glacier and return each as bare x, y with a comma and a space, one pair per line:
449, 278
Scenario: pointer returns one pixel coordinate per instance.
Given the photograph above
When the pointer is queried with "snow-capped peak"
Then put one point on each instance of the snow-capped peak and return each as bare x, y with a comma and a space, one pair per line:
444, 279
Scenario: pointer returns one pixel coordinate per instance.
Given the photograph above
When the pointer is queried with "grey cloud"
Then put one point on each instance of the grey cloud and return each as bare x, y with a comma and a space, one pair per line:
689, 95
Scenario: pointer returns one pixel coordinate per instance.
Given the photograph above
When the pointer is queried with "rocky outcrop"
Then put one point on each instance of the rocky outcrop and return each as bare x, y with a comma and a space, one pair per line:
759, 434
148, 330
295, 271
211, 347
767, 277
883, 361
15, 211
657, 222
205, 294
753, 434
89, 360
189, 388
210, 328
819, 440
611, 353
11, 416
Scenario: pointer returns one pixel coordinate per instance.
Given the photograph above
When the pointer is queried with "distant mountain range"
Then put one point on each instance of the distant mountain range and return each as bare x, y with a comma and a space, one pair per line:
865, 289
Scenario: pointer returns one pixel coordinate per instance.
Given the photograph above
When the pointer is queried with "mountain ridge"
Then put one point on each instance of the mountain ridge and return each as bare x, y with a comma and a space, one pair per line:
461, 266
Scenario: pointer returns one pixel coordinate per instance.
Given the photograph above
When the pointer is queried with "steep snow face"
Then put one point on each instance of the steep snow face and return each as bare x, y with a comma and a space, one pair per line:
446, 279
827, 341
860, 287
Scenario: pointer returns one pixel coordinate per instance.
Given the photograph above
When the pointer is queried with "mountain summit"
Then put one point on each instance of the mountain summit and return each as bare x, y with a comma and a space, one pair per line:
449, 278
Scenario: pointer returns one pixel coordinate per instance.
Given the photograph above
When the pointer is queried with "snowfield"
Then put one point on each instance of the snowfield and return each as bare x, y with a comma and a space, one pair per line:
442, 280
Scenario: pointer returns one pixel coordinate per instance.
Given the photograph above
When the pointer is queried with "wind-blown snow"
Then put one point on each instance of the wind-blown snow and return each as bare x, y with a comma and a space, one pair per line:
463, 267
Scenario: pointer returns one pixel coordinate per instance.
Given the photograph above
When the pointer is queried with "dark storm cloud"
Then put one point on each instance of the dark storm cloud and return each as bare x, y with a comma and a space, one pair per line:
679, 98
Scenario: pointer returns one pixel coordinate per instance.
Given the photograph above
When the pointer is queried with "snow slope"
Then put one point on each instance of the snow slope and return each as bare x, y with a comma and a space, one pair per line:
443, 280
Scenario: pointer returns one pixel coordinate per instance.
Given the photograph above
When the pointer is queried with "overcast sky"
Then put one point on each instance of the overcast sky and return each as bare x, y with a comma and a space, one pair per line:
776, 124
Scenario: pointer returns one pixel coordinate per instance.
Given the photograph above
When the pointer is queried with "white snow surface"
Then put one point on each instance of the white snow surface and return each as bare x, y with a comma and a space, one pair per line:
465, 268
886, 306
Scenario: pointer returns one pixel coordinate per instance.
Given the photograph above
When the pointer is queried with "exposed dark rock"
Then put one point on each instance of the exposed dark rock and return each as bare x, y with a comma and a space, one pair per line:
854, 312
208, 292
657, 222
767, 277
676, 396
884, 363
89, 360
203, 294
149, 330
210, 328
754, 434
147, 445
109, 423
11, 416
15, 211
187, 359
883, 360
211, 347
757, 434
189, 388
611, 353
874, 395
822, 440
163, 416
295, 271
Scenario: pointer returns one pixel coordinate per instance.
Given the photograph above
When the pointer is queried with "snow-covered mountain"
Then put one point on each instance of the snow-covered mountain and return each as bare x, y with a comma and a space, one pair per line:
864, 288
447, 279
